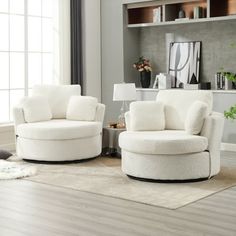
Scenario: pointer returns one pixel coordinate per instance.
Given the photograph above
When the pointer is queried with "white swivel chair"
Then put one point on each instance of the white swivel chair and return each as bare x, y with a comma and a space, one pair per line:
171, 152
57, 138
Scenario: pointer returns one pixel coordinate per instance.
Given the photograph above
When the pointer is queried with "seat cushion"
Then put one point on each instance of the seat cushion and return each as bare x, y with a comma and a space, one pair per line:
195, 117
162, 142
82, 108
59, 129
147, 115
36, 108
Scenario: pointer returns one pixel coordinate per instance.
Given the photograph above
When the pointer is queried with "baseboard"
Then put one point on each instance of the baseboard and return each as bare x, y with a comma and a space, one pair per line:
231, 147
8, 147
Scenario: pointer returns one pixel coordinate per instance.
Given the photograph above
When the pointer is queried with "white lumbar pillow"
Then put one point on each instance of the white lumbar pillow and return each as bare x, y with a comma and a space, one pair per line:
36, 108
147, 115
82, 108
195, 117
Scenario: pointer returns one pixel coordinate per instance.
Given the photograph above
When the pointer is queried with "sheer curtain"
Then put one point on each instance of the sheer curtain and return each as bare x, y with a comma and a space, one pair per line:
34, 48
62, 54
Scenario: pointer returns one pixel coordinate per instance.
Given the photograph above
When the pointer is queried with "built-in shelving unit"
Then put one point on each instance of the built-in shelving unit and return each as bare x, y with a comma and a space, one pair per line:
141, 14
222, 18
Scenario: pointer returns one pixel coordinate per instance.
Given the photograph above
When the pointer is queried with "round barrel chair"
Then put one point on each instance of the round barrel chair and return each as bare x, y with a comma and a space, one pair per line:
175, 138
58, 124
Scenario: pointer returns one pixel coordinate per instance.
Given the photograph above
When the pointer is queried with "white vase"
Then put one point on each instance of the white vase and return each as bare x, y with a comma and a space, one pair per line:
164, 81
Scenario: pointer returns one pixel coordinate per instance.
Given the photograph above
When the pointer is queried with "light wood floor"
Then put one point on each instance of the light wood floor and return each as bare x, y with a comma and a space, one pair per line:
28, 208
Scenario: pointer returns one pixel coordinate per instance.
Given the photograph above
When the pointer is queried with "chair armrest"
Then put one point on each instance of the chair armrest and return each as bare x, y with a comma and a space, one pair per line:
18, 117
100, 112
127, 120
213, 130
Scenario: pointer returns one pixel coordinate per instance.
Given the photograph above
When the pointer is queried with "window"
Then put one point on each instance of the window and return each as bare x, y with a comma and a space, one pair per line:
26, 50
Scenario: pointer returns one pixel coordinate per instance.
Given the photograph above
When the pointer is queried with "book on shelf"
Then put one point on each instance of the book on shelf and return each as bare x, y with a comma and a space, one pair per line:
197, 12
157, 15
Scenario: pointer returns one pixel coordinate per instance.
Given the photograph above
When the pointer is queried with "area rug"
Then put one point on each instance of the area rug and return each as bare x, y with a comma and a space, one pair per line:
15, 170
104, 176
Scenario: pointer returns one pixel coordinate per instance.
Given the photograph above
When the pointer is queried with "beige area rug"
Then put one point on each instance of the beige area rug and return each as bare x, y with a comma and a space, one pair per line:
104, 176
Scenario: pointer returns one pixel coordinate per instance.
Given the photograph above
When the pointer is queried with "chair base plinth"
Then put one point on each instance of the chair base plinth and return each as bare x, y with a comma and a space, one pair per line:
54, 151
169, 168
166, 181
60, 162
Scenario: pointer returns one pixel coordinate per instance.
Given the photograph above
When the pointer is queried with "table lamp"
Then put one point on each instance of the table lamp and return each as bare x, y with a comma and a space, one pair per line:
124, 92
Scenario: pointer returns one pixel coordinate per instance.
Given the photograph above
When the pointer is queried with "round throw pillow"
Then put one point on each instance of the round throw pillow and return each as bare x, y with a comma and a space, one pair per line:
4, 154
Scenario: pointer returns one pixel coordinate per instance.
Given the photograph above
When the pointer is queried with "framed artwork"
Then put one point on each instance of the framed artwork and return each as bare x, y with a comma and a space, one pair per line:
184, 63
155, 84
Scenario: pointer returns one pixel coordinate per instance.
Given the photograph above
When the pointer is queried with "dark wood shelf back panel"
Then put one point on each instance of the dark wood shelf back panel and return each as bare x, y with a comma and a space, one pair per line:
222, 8
141, 15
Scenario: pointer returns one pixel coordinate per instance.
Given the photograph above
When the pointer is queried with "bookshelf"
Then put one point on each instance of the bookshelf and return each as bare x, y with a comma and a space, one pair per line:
140, 14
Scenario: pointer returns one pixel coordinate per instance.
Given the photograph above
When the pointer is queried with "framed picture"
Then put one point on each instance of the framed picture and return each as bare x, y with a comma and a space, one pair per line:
184, 63
155, 84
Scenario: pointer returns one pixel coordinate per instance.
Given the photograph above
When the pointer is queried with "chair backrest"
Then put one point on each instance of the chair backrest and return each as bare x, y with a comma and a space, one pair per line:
58, 97
177, 103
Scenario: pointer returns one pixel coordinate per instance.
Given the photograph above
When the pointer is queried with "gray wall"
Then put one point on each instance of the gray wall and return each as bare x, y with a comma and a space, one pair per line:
92, 48
216, 39
112, 54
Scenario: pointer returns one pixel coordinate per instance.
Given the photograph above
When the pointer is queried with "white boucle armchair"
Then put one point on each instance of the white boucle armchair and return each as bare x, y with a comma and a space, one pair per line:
58, 138
172, 153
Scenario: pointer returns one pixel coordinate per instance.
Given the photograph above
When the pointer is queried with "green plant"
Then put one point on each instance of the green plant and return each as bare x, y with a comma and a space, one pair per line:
233, 45
142, 64
231, 77
231, 113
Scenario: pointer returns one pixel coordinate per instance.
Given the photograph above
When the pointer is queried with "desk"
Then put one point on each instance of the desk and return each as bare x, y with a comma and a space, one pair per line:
110, 141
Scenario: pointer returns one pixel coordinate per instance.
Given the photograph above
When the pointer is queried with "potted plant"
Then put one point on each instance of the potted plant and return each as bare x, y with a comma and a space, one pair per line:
228, 75
144, 67
231, 113
231, 77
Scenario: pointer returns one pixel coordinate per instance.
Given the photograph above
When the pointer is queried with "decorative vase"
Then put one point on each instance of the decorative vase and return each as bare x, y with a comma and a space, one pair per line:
181, 14
145, 78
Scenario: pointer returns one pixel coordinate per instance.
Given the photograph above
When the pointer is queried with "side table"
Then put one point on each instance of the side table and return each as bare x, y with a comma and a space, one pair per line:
110, 141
